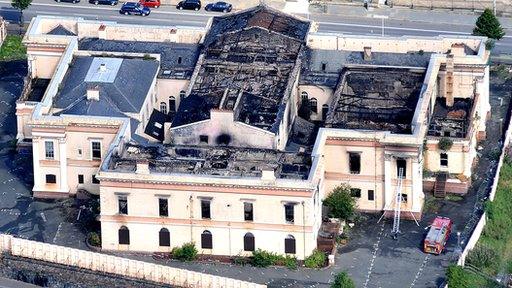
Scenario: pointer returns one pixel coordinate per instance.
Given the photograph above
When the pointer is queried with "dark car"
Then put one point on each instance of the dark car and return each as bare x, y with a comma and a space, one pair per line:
134, 8
189, 5
70, 1
104, 2
219, 7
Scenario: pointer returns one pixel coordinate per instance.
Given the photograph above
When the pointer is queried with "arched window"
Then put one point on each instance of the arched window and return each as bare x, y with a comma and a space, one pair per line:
313, 104
289, 244
163, 107
172, 104
164, 237
124, 235
325, 110
304, 95
182, 95
249, 242
206, 240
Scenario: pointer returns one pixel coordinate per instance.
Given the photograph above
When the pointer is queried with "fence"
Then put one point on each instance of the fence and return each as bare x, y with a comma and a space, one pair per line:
116, 265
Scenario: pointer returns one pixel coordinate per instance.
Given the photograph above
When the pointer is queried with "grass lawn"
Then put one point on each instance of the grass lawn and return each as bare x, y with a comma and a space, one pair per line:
459, 277
12, 49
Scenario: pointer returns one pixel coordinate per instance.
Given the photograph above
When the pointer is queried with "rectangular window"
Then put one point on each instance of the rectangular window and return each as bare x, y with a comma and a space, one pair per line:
355, 192
80, 179
96, 150
51, 178
122, 202
371, 195
404, 198
444, 159
80, 152
205, 209
354, 162
203, 139
163, 207
49, 152
401, 164
95, 180
248, 211
289, 213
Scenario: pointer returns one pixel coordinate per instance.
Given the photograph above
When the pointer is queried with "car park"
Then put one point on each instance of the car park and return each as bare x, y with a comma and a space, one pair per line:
104, 2
134, 8
150, 3
219, 6
189, 5
69, 1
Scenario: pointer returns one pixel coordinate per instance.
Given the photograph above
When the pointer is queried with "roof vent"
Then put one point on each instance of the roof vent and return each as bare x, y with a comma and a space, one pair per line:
93, 93
367, 55
103, 67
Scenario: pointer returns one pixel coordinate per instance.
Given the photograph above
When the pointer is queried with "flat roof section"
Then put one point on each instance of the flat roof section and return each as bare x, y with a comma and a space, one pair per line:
382, 99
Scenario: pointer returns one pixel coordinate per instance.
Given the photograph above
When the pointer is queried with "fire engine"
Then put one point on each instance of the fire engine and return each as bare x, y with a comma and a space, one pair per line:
438, 235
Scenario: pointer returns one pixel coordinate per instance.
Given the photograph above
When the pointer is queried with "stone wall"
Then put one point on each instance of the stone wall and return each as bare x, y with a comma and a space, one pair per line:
115, 265
502, 6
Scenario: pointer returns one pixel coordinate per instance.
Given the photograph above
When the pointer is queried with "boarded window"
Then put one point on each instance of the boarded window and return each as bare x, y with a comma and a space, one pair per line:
444, 159
249, 242
354, 162
122, 202
205, 209
355, 192
248, 211
401, 164
124, 235
206, 240
96, 149
51, 178
80, 179
289, 213
289, 245
164, 237
48, 150
163, 207
371, 195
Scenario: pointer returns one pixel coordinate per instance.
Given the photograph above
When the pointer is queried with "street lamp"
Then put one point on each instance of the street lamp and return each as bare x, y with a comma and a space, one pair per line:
382, 17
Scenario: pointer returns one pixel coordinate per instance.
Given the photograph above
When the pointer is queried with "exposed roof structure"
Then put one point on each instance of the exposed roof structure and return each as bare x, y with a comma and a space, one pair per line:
177, 60
216, 161
450, 121
248, 67
376, 99
124, 89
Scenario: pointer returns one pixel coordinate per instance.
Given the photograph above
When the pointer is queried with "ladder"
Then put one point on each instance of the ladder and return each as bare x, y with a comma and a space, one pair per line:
398, 202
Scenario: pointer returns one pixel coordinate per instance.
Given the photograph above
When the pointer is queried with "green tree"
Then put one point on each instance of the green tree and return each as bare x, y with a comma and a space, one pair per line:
21, 5
342, 280
340, 202
456, 277
488, 25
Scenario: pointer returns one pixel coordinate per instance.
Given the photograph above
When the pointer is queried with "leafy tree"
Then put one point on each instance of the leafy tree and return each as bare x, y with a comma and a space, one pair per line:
456, 277
488, 25
340, 202
445, 144
342, 280
21, 5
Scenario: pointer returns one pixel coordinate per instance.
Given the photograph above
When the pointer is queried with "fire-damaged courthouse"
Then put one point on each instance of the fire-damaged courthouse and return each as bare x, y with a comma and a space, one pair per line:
230, 136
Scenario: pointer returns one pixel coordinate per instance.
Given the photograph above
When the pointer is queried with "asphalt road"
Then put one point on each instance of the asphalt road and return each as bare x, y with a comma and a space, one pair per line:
169, 16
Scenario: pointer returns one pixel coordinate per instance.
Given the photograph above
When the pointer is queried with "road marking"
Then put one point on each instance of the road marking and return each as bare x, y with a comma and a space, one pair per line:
57, 233
418, 274
372, 261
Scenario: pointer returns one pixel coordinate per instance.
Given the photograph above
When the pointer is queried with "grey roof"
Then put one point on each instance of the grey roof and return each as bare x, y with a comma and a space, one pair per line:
177, 60
260, 16
60, 30
126, 93
336, 60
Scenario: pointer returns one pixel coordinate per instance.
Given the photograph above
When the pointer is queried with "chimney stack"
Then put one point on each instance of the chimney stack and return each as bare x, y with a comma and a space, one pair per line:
93, 93
367, 54
142, 167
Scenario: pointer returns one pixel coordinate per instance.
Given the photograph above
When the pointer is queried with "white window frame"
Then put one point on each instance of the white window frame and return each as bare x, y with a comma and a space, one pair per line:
53, 150
90, 146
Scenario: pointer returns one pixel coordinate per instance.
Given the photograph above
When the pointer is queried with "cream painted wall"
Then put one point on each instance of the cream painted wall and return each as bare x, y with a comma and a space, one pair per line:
43, 66
170, 87
322, 94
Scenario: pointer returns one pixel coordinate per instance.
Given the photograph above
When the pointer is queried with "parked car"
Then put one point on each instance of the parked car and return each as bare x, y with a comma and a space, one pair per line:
134, 8
69, 1
219, 7
189, 5
150, 3
104, 2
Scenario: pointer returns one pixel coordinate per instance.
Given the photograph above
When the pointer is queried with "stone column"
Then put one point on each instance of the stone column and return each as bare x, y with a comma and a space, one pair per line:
35, 158
388, 171
63, 184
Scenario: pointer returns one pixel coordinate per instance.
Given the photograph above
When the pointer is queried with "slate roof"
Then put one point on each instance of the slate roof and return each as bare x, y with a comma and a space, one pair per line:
260, 16
176, 59
125, 94
155, 126
61, 30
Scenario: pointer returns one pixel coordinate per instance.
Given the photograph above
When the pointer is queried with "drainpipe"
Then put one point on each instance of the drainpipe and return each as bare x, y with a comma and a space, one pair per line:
304, 228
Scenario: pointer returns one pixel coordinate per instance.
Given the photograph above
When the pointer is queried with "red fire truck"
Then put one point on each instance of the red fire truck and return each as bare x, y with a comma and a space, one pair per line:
437, 235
